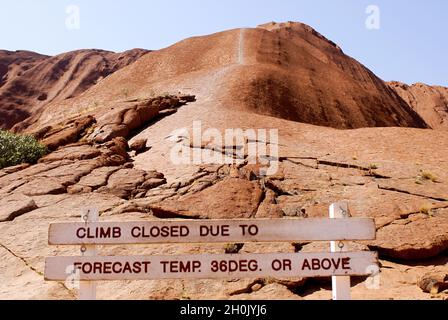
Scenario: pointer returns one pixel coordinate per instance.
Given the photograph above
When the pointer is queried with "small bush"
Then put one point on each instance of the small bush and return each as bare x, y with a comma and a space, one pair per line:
17, 149
425, 210
426, 175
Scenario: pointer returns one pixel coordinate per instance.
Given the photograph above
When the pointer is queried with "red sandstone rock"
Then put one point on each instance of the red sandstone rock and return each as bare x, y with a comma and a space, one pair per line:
430, 102
241, 197
139, 145
288, 71
69, 132
14, 206
29, 81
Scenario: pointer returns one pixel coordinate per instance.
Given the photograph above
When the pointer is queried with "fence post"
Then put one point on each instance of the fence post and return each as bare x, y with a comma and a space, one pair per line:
340, 285
87, 289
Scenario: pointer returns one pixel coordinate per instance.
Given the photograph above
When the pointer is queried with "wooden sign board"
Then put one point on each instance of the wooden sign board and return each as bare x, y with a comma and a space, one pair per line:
216, 231
208, 266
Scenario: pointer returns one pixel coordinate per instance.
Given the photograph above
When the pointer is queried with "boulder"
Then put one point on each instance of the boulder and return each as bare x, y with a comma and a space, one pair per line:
123, 121
42, 186
14, 206
118, 146
232, 198
409, 239
268, 208
124, 182
139, 145
76, 152
98, 177
66, 133
153, 183
433, 283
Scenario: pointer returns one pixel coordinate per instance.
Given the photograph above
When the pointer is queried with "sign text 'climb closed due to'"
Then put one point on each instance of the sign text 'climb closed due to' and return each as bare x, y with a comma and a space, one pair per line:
146, 232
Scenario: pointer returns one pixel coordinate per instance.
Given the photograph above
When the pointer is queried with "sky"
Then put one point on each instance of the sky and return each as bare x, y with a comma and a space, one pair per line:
403, 40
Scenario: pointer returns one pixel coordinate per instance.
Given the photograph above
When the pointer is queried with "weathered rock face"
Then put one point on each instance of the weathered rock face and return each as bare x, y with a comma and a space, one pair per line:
430, 102
29, 81
390, 174
63, 169
78, 168
409, 239
12, 66
127, 183
69, 132
242, 198
382, 177
118, 122
287, 71
138, 146
14, 206
434, 283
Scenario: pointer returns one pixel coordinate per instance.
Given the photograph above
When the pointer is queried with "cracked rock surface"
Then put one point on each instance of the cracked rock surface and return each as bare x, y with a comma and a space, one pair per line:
386, 183
115, 133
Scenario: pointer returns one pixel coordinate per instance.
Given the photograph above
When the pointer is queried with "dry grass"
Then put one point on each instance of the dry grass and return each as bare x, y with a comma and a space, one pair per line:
425, 210
426, 175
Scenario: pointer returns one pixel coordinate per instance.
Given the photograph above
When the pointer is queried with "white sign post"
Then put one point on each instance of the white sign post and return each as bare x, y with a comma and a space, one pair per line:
339, 264
341, 285
87, 289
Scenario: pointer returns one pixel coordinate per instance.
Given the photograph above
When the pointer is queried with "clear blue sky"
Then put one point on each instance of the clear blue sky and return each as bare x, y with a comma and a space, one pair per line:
410, 46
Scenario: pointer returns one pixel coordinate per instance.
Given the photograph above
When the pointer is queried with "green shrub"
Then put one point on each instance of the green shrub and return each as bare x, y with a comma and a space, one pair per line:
16, 149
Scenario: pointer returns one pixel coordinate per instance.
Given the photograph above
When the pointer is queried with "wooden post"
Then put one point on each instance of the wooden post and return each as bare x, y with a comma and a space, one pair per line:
87, 289
341, 285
